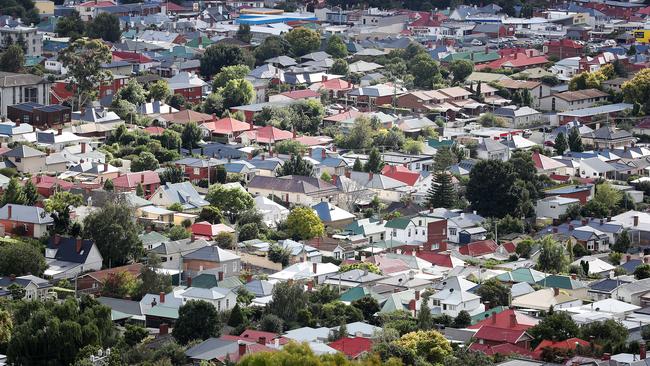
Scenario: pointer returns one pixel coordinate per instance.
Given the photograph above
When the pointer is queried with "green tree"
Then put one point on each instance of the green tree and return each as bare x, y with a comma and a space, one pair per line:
335, 313
6, 326
296, 165
220, 55
191, 136
461, 69
115, 233
303, 41
231, 201
444, 158
309, 115
424, 319
290, 147
524, 248
357, 166
172, 174
225, 240
412, 146
642, 272
607, 195
134, 334
491, 188
19, 258
70, 25
59, 206
551, 257
105, 26
13, 193
304, 224
442, 192
197, 319
237, 92
425, 71
236, 318
462, 320
244, 33
360, 136
340, 67
159, 90
610, 334
375, 163
178, 232
271, 323
84, 58
368, 306
336, 48
430, 345
575, 141
211, 214
132, 92
229, 73
30, 193
622, 244
637, 90
557, 326
144, 161
108, 185
139, 190
249, 232
287, 300
151, 281
494, 292
176, 101
272, 46
12, 59
119, 284
561, 144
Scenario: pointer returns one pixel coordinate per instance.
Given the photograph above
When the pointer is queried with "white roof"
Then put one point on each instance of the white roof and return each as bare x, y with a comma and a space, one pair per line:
596, 265
304, 270
611, 306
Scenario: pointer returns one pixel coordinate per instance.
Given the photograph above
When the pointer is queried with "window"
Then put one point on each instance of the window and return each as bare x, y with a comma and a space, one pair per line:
30, 95
452, 231
409, 233
394, 233
227, 303
197, 171
219, 305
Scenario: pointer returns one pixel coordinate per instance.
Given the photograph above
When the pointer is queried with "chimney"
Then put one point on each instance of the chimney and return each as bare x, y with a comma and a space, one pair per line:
242, 348
347, 173
310, 285
142, 178
556, 291
17, 123
78, 247
220, 276
9, 212
57, 239
417, 295
262, 340
59, 131
314, 267
324, 78
334, 178
571, 227
642, 350
83, 147
412, 306
323, 154
370, 175
192, 238
105, 167
294, 135
574, 276
486, 50
189, 281
250, 126
12, 277
163, 329
513, 320
628, 257
646, 260
606, 356
584, 222
554, 229
250, 156
263, 156
162, 297
636, 220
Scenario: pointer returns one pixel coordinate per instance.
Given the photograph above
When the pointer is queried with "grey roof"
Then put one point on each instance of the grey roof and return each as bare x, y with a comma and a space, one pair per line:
610, 133
185, 194
292, 183
260, 288
357, 275
266, 71
282, 60
212, 254
316, 56
124, 306
597, 165
23, 281
28, 214
24, 151
180, 246
213, 293
491, 145
11, 79
212, 348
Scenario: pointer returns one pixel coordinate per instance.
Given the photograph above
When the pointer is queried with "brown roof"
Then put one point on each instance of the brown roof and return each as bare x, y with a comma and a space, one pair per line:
100, 276
519, 84
580, 94
186, 116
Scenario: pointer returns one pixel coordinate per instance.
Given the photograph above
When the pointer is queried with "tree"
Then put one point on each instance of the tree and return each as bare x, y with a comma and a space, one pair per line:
30, 193
13, 193
308, 115
21, 258
172, 173
360, 136
425, 71
622, 243
551, 257
12, 59
607, 195
6, 326
237, 92
132, 92
119, 284
83, 59
296, 165
340, 67
159, 90
494, 292
444, 158
304, 224
211, 214
151, 281
491, 188
336, 48
368, 306
271, 323
424, 319
134, 334
105, 26
144, 161
461, 69
335, 313
108, 185
220, 55
561, 144
302, 41
375, 163
524, 248
575, 141
244, 33
225, 240
292, 147
462, 320
287, 300
558, 326
59, 206
610, 334
236, 318
197, 319
637, 90
430, 345
365, 266
357, 166
642, 272
191, 136
272, 46
229, 73
412, 146
178, 232
70, 25
176, 101
248, 232
139, 190
231, 201
115, 233
490, 120
442, 192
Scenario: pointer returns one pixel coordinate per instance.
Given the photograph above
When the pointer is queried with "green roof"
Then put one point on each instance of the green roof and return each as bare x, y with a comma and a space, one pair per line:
118, 315
561, 282
357, 293
488, 313
527, 275
209, 280
398, 223
477, 57
152, 237
163, 312
438, 144
205, 42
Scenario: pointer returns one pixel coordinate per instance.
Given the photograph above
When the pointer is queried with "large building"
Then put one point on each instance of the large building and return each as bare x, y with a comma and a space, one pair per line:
28, 37
22, 88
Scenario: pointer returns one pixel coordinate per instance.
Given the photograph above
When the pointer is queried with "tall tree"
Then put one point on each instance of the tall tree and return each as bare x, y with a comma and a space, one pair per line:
442, 192
237, 92
159, 90
59, 206
30, 193
551, 256
83, 59
637, 90
197, 319
287, 300
21, 258
272, 46
191, 136
340, 67
105, 26
491, 188
229, 73
336, 48
561, 144
144, 161
304, 224
132, 92
558, 326
494, 292
13, 193
217, 56
303, 41
231, 201
70, 25
461, 69
575, 141
244, 33
375, 163
12, 59
296, 165
622, 243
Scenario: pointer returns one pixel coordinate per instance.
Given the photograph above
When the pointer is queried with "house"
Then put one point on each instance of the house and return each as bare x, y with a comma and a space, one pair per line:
184, 117
47, 186
518, 117
310, 271
333, 216
14, 32
354, 278
38, 115
554, 206
27, 159
595, 168
353, 348
211, 257
170, 252
401, 173
222, 350
596, 266
489, 149
273, 212
226, 128
68, 257
454, 297
35, 288
584, 192
293, 189
129, 182
478, 249
295, 95
609, 137
183, 193
543, 299
208, 231
23, 220
406, 230
267, 135
223, 299
93, 282
563, 48
506, 327
22, 88
572, 100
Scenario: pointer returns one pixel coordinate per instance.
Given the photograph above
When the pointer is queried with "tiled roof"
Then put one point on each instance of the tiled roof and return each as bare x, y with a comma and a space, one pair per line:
401, 173
479, 248
226, 126
131, 180
352, 347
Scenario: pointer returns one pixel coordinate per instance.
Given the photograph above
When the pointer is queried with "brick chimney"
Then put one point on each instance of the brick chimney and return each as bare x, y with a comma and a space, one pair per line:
584, 222
250, 126
513, 320
556, 291
370, 175
189, 281
78, 247
636, 220
606, 356
242, 348
142, 178
8, 212
105, 167
59, 131
628, 257
571, 227
163, 329
554, 229
494, 318
412, 306
83, 147
314, 267
220, 276
417, 295
347, 173
310, 286
17, 122
324, 78
12, 277
642, 350
262, 340
646, 260
162, 297
323, 154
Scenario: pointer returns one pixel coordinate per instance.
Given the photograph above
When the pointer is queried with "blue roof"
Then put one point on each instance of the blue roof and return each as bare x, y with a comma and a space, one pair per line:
631, 265
606, 285
568, 189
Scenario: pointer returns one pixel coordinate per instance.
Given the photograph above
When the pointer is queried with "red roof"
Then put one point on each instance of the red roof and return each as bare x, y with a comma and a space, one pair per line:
401, 173
569, 344
268, 134
352, 347
301, 94
438, 259
504, 320
502, 349
388, 265
96, 4
564, 43
256, 335
514, 59
47, 182
226, 126
560, 178
497, 334
130, 56
343, 116
153, 130
207, 229
175, 7
60, 92
335, 84
131, 180
479, 248
510, 247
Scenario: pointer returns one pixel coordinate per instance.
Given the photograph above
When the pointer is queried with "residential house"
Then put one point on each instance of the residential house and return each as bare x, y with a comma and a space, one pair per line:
489, 149
223, 299
38, 115
406, 230
294, 189
354, 278
208, 231
572, 100
311, 271
189, 85
224, 129
27, 159
184, 117
518, 117
333, 216
543, 299
273, 212
93, 282
563, 48
183, 193
214, 258
68, 257
23, 220
454, 297
170, 252
609, 137
35, 288
129, 182
504, 328
554, 206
